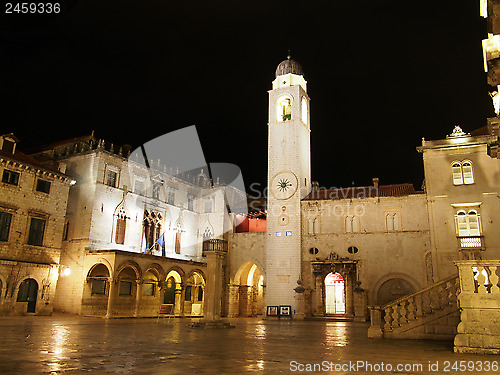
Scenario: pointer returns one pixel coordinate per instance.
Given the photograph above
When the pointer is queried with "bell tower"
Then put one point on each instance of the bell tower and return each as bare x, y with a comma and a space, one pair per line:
288, 182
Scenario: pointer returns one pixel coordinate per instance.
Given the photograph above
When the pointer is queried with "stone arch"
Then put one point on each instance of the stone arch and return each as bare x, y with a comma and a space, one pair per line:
247, 291
179, 274
157, 268
130, 263
393, 286
96, 289
194, 293
173, 287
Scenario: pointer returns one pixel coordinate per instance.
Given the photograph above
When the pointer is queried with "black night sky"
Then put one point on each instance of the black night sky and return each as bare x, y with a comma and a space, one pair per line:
381, 75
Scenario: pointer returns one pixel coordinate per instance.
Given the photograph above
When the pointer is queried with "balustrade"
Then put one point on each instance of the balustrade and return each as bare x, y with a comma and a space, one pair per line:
408, 309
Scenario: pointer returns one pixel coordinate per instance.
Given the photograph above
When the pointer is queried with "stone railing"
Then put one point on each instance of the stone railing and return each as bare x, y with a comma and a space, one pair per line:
215, 245
479, 300
409, 311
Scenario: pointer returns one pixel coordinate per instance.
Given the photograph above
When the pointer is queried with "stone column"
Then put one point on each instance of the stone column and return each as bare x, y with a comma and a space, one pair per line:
179, 301
213, 286
111, 297
234, 300
360, 305
138, 297
349, 296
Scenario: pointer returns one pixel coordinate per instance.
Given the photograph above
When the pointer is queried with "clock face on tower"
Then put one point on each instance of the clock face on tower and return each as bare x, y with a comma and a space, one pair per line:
283, 185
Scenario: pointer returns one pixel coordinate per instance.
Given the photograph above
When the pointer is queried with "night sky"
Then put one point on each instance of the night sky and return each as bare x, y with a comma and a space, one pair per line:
381, 75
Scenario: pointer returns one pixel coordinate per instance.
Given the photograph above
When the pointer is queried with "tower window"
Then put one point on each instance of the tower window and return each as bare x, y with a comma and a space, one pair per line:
304, 110
284, 110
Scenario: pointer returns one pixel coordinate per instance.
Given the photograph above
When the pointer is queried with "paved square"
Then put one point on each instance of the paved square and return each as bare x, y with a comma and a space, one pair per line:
74, 345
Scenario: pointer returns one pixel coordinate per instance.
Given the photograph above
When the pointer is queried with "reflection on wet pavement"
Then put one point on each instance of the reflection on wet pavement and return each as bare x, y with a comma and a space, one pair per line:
72, 345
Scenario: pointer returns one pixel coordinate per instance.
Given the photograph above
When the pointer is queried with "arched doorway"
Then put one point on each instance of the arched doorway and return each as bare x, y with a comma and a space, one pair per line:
28, 292
194, 295
249, 291
334, 294
172, 291
169, 296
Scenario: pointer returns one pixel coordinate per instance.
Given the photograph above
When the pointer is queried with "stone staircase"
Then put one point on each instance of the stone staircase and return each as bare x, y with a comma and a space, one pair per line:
431, 313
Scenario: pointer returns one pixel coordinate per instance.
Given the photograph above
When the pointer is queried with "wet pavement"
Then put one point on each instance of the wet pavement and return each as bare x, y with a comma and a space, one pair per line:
74, 345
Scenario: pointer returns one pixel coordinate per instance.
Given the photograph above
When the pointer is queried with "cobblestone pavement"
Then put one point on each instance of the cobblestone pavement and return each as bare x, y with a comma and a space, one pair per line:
74, 345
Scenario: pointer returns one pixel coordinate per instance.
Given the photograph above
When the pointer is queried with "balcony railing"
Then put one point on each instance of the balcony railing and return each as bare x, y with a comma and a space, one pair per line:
474, 242
215, 245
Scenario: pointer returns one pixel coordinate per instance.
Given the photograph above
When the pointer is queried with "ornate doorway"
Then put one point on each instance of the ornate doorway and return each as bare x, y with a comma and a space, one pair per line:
334, 294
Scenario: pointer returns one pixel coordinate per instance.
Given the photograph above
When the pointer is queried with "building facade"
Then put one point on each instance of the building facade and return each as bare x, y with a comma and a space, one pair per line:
134, 231
33, 201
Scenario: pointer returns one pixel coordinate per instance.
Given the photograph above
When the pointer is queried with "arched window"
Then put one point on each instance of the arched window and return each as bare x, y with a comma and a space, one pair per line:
456, 169
304, 110
348, 224
468, 223
284, 109
462, 172
389, 223
467, 172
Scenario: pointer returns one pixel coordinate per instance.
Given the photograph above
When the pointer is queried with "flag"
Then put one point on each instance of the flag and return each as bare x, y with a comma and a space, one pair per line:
161, 241
144, 242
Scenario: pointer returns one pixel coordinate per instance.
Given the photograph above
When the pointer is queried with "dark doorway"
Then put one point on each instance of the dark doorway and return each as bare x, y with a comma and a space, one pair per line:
28, 291
170, 291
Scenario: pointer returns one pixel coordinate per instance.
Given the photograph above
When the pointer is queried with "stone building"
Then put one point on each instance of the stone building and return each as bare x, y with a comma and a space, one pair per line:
33, 199
134, 230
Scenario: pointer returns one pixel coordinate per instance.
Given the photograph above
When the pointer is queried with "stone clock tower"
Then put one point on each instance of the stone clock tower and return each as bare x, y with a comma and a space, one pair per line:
289, 180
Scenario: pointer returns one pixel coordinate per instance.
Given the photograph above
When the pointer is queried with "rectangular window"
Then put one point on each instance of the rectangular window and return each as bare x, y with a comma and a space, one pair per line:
178, 242
125, 288
5, 220
121, 224
138, 187
10, 177
98, 286
35, 236
111, 179
156, 190
8, 146
190, 202
171, 198
208, 205
43, 186
148, 289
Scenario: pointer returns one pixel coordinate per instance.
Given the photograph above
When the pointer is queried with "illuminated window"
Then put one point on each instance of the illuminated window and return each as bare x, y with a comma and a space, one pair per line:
462, 172
468, 223
304, 110
467, 172
284, 109
456, 168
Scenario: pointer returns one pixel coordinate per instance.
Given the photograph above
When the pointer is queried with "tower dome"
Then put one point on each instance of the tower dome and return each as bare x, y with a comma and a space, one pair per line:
289, 66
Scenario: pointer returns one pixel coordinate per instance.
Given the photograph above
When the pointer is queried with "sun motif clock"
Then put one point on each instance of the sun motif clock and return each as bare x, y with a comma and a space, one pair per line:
283, 185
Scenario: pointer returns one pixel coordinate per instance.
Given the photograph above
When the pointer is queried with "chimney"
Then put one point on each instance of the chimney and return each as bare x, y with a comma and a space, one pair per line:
375, 182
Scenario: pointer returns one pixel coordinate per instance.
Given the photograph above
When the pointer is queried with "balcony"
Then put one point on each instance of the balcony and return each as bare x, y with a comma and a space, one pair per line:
471, 248
215, 244
473, 242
